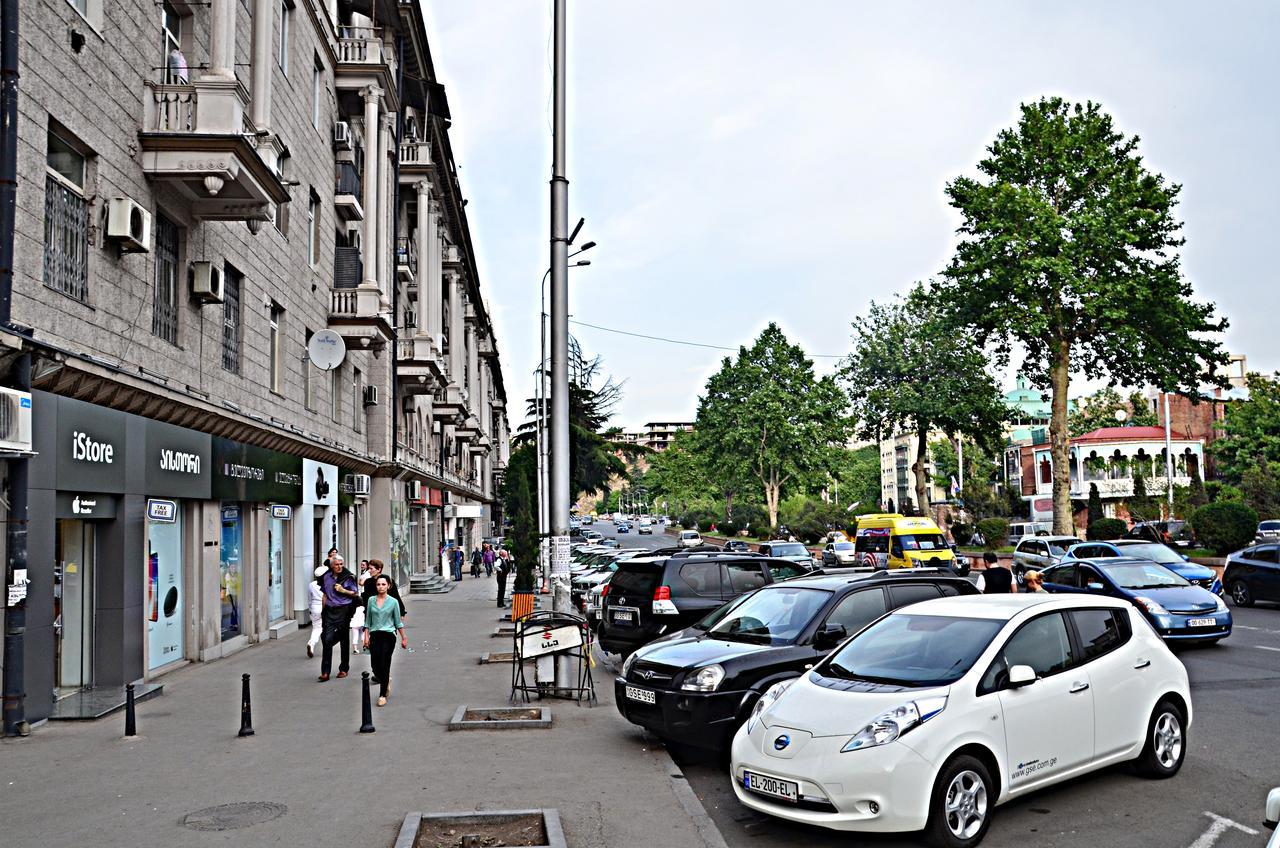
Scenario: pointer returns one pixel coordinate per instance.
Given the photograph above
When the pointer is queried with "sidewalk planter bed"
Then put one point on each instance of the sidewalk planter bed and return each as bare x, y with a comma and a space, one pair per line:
504, 632
531, 828
500, 718
497, 657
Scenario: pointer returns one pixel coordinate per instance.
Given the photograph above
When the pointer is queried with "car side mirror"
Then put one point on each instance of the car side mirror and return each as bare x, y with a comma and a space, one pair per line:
1186, 558
829, 636
1095, 587
1021, 675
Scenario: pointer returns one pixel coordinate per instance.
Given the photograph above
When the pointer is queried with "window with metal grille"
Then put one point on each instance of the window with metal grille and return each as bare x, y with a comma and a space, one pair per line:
308, 379
275, 339
357, 399
66, 219
232, 280
164, 303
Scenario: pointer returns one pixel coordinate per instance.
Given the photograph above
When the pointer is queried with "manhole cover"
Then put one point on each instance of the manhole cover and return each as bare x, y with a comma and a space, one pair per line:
234, 816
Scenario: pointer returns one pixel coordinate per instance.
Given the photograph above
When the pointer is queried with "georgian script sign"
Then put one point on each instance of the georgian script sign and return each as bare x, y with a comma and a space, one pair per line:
551, 640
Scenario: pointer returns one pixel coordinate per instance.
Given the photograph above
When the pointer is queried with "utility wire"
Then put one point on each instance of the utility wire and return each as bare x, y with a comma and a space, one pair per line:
682, 341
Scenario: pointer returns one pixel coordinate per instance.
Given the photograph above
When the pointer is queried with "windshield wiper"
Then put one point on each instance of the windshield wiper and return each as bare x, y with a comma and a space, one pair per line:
741, 636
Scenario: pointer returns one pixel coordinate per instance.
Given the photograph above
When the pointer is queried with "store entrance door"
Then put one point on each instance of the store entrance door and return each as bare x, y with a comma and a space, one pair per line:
73, 602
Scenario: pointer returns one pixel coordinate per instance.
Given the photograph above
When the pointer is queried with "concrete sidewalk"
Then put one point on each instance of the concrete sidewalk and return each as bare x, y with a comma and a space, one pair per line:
82, 784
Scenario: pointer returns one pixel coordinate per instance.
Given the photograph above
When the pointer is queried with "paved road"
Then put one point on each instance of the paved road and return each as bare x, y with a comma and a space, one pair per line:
1234, 759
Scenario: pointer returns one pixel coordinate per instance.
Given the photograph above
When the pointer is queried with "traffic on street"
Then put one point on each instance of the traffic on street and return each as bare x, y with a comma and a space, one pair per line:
1219, 764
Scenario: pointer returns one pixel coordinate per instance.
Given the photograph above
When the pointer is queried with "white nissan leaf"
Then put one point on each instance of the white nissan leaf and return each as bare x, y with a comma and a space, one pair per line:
935, 714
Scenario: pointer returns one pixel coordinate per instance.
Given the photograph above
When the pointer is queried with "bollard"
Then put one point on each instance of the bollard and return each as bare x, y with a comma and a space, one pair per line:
366, 708
130, 720
246, 709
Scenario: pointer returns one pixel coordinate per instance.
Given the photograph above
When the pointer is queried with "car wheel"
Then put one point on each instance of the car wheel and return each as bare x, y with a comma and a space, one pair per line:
1240, 594
1166, 745
962, 803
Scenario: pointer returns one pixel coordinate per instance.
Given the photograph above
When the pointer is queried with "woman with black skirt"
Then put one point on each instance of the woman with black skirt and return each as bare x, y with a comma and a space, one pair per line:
382, 623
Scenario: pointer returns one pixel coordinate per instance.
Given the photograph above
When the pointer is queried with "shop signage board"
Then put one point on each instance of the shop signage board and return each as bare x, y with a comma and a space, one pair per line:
435, 497
243, 472
551, 640
90, 451
162, 511
284, 512
85, 505
178, 461
319, 483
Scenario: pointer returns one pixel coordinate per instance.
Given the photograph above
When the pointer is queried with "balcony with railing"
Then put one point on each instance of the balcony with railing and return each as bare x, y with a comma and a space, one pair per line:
407, 258
347, 192
419, 365
415, 157
197, 138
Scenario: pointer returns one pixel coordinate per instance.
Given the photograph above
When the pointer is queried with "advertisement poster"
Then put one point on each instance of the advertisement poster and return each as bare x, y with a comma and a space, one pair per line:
164, 601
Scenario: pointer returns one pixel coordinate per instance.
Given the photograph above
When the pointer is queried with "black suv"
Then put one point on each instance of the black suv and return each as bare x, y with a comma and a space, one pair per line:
698, 685
651, 596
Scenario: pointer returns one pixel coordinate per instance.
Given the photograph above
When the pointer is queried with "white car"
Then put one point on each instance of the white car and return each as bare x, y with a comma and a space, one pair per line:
689, 539
933, 715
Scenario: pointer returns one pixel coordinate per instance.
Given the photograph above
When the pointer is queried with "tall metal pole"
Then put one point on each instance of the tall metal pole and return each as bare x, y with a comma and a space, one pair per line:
559, 489
1168, 453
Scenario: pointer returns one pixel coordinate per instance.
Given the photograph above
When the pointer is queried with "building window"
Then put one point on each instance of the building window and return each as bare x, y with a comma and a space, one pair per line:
231, 290
335, 394
286, 12
174, 62
1046, 472
317, 85
357, 400
66, 220
308, 383
280, 211
164, 303
275, 323
313, 229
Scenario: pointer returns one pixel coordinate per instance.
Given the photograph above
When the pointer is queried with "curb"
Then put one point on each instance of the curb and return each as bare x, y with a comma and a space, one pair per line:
711, 836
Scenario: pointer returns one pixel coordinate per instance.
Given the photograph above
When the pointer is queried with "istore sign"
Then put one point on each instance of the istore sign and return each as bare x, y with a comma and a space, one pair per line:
90, 448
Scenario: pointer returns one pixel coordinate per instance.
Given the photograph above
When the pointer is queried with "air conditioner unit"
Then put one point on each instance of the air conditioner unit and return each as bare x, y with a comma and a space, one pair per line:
370, 395
413, 490
361, 484
341, 135
130, 224
206, 282
15, 420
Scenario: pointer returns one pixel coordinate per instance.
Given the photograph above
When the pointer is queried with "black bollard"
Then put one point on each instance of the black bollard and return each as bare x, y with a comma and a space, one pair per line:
246, 710
130, 720
366, 708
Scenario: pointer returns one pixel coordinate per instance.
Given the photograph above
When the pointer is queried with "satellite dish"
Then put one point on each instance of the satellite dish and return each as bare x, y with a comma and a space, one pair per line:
326, 350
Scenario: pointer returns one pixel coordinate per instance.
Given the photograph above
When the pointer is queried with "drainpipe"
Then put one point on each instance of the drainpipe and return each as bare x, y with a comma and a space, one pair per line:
15, 621
396, 411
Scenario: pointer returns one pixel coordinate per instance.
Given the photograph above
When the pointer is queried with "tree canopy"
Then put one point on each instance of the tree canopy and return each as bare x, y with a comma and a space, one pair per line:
1069, 252
1099, 409
767, 417
1250, 430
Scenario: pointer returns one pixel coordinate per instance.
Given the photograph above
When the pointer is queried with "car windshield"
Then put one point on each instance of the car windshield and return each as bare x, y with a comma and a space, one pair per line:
923, 542
1153, 552
913, 650
688, 535
843, 546
1135, 575
1269, 525
771, 616
789, 549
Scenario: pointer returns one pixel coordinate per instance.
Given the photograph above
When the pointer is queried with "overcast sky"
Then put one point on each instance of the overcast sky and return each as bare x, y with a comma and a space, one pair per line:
740, 162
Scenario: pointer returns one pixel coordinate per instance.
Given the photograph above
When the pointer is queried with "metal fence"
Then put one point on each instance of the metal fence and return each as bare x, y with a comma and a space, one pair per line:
66, 239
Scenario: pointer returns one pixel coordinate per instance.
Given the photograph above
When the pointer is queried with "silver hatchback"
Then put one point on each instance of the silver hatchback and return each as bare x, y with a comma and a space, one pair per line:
1036, 553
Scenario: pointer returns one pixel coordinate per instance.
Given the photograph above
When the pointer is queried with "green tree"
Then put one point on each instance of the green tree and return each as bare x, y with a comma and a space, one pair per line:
519, 496
1198, 497
1069, 252
765, 414
1141, 506
1258, 485
1095, 505
858, 473
1250, 430
911, 371
1099, 410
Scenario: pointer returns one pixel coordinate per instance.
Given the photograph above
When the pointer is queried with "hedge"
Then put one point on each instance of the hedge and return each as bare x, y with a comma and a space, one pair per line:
1106, 528
962, 533
1224, 526
995, 532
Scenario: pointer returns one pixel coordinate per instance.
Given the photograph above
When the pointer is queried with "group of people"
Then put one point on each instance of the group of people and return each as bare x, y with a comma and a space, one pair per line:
364, 609
997, 579
484, 557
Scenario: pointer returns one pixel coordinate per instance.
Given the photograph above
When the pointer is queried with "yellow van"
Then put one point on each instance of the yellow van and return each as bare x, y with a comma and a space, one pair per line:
892, 540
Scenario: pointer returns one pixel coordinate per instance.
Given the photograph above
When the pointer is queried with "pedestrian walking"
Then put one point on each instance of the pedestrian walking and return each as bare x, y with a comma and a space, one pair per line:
458, 559
489, 558
476, 559
357, 617
315, 605
1035, 582
376, 570
382, 620
506, 564
997, 579
339, 603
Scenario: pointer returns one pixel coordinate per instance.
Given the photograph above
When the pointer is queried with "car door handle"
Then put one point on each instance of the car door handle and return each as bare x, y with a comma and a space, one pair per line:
1142, 663
1078, 687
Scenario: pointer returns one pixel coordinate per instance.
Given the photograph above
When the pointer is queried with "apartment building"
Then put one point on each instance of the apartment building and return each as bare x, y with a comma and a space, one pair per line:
254, 324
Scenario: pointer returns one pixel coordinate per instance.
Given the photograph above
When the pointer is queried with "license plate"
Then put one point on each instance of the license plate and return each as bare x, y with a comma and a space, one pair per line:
787, 790
624, 616
1201, 622
644, 696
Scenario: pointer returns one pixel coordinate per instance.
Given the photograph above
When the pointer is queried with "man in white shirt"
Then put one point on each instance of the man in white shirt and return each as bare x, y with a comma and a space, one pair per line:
315, 603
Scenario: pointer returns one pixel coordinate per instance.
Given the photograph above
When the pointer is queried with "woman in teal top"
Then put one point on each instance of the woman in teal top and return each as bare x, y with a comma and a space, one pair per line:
382, 623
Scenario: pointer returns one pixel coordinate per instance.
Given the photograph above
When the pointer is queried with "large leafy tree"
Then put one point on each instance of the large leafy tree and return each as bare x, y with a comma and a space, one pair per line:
1250, 430
520, 502
910, 371
1069, 251
765, 415
1099, 410
857, 472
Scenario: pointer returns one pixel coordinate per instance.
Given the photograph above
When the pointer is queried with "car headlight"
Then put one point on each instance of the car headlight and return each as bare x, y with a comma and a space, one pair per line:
1222, 607
627, 663
772, 694
891, 724
704, 679
1150, 605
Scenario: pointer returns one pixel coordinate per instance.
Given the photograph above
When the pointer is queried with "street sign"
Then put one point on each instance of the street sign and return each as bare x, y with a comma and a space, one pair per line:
551, 640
